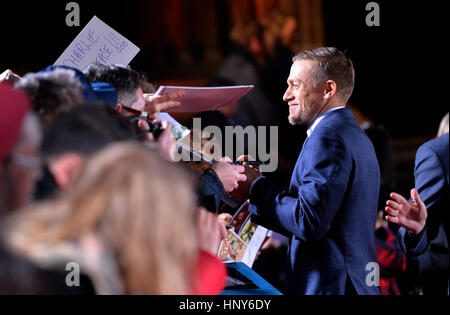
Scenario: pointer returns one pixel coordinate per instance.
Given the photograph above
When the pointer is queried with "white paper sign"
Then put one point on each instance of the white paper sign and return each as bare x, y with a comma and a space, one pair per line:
98, 42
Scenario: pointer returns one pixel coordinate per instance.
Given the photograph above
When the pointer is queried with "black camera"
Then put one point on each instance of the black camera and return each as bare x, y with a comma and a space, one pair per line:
156, 129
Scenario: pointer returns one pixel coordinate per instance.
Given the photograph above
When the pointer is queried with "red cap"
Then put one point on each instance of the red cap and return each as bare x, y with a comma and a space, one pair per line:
13, 107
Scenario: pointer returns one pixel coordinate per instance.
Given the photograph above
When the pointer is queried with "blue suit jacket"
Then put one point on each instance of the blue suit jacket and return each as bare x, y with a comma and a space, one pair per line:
329, 211
431, 176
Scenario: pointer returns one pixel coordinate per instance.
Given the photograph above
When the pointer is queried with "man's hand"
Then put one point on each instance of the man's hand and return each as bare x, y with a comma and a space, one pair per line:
210, 231
411, 216
9, 76
225, 218
156, 103
165, 142
229, 175
252, 172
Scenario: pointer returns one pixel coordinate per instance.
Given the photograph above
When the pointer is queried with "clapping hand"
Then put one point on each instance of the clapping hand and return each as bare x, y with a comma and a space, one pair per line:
410, 215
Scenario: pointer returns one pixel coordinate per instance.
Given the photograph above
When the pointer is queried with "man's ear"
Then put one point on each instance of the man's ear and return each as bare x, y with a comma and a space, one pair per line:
119, 108
330, 89
65, 169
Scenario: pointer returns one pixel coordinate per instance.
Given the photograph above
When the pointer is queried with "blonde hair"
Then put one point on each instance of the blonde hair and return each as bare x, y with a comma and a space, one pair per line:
140, 206
443, 127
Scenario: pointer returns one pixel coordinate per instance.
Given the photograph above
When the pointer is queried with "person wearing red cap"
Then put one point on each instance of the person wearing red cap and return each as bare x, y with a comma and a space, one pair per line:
20, 137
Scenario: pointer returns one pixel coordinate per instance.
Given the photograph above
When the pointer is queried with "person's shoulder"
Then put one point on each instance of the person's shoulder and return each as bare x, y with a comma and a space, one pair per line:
433, 153
327, 138
339, 119
327, 131
438, 146
438, 143
339, 124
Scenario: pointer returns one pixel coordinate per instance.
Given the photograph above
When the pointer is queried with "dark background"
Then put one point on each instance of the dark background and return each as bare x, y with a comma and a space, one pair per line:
399, 64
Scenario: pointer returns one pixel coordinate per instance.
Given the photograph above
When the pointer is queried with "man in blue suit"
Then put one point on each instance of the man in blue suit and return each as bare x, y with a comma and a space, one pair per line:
330, 210
421, 218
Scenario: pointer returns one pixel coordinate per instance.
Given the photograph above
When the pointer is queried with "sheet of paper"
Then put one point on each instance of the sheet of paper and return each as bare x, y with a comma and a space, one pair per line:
201, 99
254, 245
169, 118
97, 42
